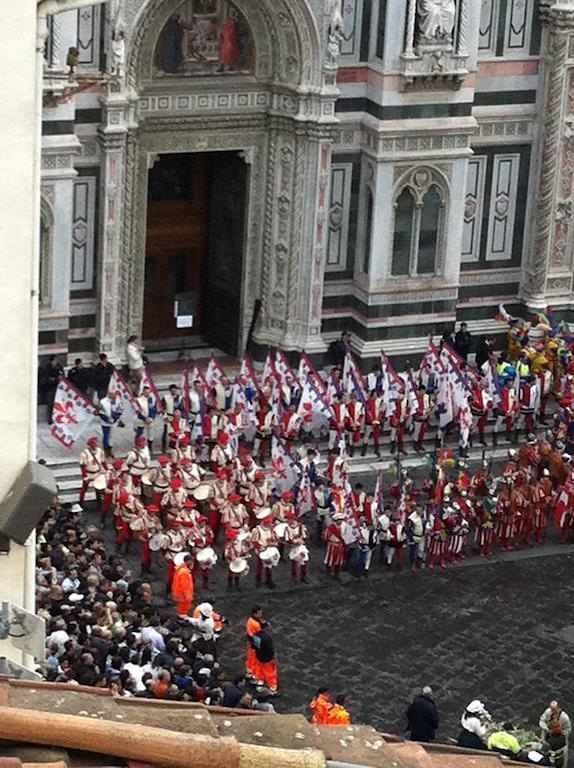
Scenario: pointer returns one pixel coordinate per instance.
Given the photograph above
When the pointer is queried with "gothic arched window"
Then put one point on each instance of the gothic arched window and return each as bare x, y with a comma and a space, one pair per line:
46, 252
418, 226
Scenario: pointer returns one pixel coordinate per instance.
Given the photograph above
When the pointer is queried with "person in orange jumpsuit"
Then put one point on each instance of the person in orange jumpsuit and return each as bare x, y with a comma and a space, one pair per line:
182, 589
320, 707
265, 653
251, 628
338, 715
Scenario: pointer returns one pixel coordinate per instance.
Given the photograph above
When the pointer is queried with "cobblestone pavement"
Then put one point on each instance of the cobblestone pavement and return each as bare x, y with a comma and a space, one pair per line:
501, 631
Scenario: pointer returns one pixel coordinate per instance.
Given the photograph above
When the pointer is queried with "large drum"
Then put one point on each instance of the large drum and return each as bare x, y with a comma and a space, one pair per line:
202, 492
100, 483
270, 557
156, 541
146, 479
300, 554
179, 558
206, 557
239, 566
280, 531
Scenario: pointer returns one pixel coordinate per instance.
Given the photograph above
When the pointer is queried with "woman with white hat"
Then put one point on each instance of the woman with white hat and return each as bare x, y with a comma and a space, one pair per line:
473, 721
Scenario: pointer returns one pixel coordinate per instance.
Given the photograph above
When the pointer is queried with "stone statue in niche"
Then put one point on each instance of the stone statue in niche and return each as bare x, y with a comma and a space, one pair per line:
333, 49
118, 50
205, 37
435, 20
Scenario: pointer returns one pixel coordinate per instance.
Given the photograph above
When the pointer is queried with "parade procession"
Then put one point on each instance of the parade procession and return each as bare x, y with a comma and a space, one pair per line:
254, 472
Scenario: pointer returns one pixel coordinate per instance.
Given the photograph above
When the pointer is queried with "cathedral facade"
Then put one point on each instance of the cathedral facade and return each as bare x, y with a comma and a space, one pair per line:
285, 170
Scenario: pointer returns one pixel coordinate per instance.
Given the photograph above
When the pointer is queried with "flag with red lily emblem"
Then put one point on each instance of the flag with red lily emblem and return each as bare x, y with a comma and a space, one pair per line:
72, 413
285, 472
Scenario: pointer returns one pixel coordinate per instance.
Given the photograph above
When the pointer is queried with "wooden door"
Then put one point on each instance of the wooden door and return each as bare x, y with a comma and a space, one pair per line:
224, 272
176, 243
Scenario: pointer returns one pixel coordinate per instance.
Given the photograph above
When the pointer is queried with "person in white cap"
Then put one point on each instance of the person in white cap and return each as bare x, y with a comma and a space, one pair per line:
473, 722
203, 623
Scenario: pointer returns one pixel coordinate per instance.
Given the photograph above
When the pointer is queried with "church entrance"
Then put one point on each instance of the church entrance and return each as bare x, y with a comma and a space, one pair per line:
194, 249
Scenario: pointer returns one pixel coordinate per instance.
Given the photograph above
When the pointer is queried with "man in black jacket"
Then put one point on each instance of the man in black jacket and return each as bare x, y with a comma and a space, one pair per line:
265, 653
102, 375
422, 717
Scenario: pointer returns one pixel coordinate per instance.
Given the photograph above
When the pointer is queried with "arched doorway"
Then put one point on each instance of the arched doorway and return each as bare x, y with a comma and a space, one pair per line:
237, 82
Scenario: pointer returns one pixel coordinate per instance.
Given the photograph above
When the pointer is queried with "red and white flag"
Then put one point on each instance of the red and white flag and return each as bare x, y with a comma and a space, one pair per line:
214, 373
282, 368
313, 407
72, 413
306, 369
128, 404
286, 473
248, 374
147, 381
269, 374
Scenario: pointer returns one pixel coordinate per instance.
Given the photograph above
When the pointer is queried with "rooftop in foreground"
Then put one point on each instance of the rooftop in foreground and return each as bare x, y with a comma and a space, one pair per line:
65, 725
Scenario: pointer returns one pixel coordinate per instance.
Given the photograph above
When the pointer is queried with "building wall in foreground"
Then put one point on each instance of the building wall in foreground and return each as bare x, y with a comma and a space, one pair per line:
19, 232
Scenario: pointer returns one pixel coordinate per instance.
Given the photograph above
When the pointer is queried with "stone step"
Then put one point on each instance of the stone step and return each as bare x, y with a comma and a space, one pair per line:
69, 478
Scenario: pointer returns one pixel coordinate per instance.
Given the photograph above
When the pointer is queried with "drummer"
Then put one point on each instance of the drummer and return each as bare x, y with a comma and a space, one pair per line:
128, 508
296, 538
191, 474
146, 525
93, 465
174, 498
172, 544
112, 479
183, 450
160, 478
259, 493
221, 453
264, 541
205, 556
220, 491
236, 552
138, 461
281, 511
234, 513
245, 475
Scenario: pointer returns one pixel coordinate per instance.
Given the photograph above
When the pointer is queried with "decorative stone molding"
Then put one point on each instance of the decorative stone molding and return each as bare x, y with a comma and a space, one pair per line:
200, 103
434, 64
499, 131
287, 38
557, 26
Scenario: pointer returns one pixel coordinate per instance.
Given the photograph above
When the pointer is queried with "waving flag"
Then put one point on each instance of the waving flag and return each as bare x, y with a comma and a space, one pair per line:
247, 373
214, 373
147, 381
392, 384
353, 380
286, 473
379, 497
444, 400
128, 403
282, 368
269, 374
306, 369
313, 408
72, 413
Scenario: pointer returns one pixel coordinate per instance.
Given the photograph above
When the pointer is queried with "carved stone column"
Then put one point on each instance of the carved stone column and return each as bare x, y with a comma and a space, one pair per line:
294, 236
549, 271
113, 138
